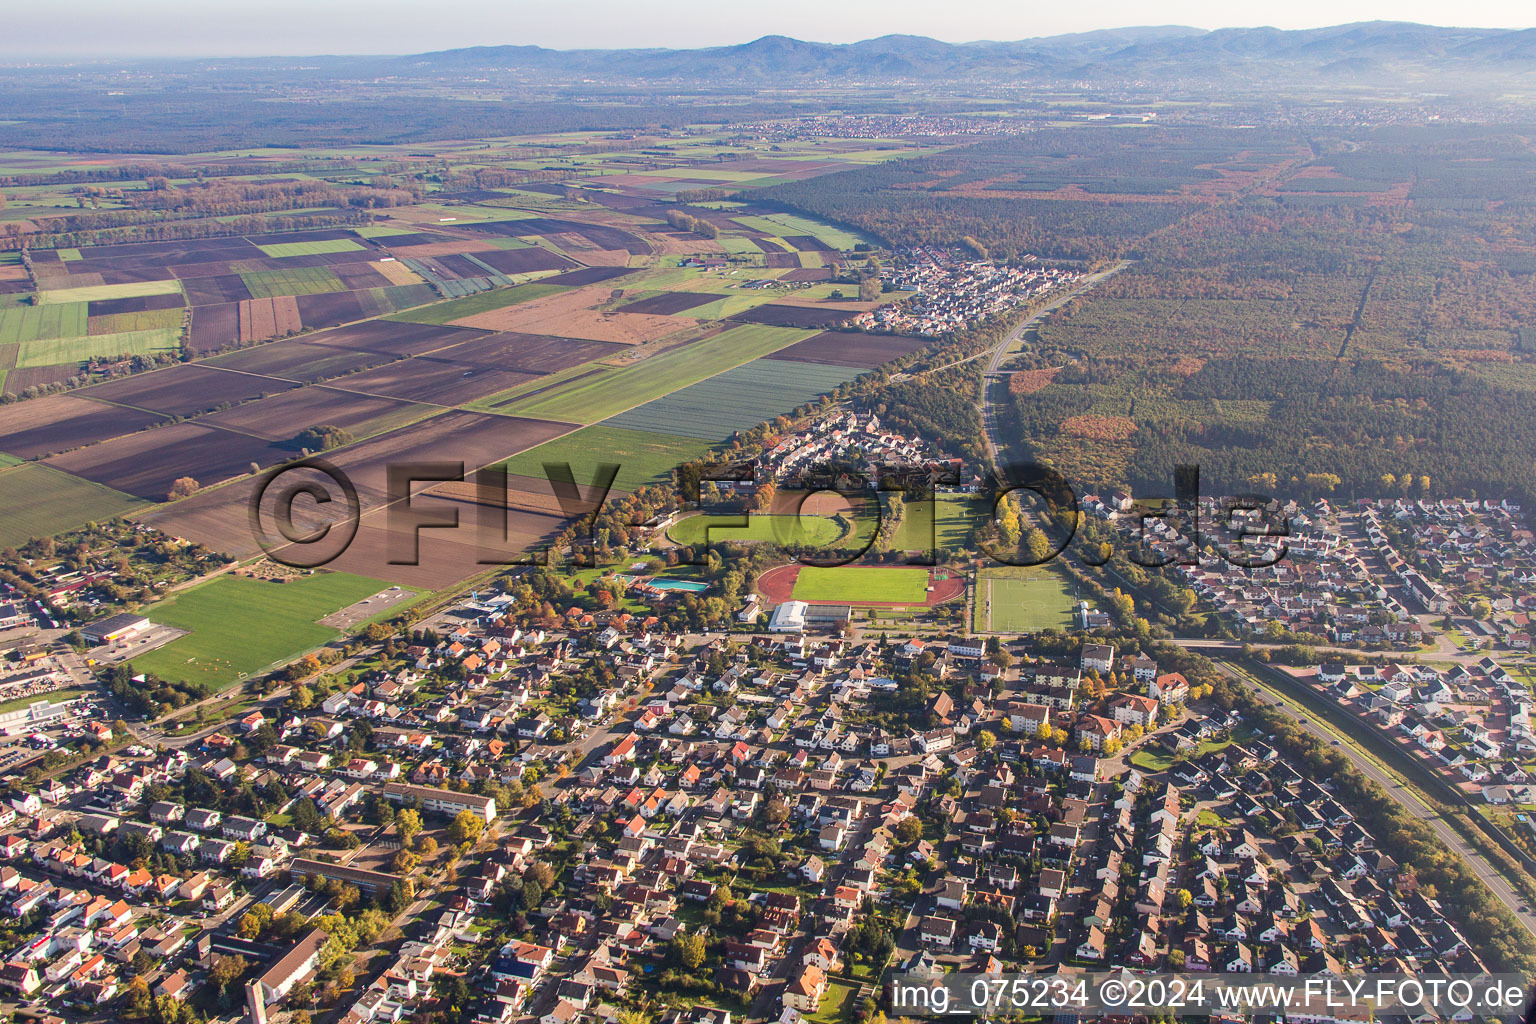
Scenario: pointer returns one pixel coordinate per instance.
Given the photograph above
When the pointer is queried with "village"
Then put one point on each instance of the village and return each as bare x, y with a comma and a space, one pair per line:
954, 289
551, 824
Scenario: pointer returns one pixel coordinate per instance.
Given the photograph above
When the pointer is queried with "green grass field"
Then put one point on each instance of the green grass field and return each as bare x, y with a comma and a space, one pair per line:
737, 246
53, 351
853, 584
799, 530
34, 323
99, 292
238, 625
643, 457
943, 523
482, 302
37, 501
729, 305
122, 323
1019, 599
281, 249
610, 392
265, 284
781, 224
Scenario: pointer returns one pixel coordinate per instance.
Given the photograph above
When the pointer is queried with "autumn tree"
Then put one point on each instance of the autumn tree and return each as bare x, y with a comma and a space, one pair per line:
226, 970
688, 951
466, 827
183, 487
408, 823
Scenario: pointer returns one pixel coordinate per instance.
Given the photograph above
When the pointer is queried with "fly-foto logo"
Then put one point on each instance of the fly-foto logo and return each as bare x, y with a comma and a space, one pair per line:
306, 514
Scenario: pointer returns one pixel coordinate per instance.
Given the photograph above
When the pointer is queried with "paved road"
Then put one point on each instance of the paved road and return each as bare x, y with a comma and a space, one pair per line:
1404, 794
1005, 349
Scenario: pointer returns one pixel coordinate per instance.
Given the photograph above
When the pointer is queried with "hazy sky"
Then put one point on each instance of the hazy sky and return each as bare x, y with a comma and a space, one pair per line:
224, 27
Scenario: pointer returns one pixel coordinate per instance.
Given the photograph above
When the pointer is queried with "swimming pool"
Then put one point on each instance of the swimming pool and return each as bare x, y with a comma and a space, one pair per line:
691, 586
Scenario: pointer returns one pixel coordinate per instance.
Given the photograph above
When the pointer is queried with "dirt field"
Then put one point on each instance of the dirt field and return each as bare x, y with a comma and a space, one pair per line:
526, 261
430, 379
589, 275
443, 557
394, 337
327, 309
135, 304
206, 291
528, 353
186, 389
146, 464
220, 519
850, 348
623, 328
605, 257
667, 303
523, 315
474, 439
214, 327
58, 423
261, 319
281, 417
785, 314
299, 360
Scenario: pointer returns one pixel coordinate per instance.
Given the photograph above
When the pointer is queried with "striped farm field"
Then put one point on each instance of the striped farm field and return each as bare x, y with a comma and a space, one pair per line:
100, 292
395, 272
266, 284
40, 502
147, 320
281, 249
611, 391
473, 305
33, 323
738, 399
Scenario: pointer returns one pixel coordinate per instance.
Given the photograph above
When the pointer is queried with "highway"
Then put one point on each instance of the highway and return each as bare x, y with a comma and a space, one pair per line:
1405, 794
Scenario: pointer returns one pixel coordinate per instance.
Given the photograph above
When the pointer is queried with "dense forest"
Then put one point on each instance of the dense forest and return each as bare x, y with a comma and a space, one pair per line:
1306, 315
1085, 193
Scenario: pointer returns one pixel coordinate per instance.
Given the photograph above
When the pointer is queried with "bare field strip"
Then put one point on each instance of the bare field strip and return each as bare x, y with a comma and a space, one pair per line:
56, 423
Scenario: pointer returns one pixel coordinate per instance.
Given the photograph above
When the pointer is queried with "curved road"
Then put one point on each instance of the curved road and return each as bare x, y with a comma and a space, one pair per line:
1404, 794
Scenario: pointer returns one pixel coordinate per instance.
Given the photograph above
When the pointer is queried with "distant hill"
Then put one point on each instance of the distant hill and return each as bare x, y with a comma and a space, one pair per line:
1171, 51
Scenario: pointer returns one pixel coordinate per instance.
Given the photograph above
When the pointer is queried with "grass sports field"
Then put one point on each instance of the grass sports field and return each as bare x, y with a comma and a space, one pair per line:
606, 394
40, 502
643, 457
945, 522
801, 530
1019, 599
853, 584
239, 625
280, 249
